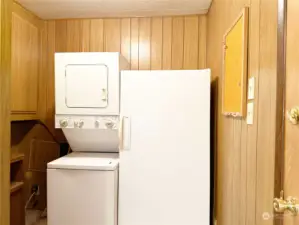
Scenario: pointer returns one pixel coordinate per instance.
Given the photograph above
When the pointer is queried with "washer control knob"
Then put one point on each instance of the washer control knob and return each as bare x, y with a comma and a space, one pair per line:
109, 124
79, 124
97, 123
63, 123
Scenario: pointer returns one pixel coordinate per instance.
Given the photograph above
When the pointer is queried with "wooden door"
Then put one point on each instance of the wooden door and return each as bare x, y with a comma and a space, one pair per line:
291, 157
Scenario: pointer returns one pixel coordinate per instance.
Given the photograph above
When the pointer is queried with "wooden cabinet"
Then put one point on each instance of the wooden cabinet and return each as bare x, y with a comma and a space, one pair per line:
25, 64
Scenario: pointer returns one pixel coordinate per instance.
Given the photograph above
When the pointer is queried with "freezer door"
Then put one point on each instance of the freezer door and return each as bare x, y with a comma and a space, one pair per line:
165, 152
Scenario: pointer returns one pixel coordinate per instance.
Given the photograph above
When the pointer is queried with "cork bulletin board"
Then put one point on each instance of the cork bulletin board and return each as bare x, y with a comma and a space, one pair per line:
234, 79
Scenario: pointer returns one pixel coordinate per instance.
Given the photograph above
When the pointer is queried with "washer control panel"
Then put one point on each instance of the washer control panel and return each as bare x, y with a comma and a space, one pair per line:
87, 122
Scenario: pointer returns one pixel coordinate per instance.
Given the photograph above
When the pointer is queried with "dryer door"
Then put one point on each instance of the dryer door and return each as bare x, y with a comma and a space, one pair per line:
86, 86
87, 83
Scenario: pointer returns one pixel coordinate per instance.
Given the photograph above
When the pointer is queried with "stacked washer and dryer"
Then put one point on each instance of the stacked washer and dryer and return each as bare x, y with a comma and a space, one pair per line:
140, 142
82, 187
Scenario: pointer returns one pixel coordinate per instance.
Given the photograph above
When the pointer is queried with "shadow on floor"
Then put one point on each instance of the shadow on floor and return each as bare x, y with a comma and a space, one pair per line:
35, 217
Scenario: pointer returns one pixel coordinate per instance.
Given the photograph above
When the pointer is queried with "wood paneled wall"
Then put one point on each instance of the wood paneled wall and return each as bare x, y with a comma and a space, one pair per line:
157, 43
5, 73
147, 43
245, 153
291, 154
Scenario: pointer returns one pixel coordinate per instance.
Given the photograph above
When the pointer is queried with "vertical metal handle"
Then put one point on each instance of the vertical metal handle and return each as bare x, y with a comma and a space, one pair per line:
120, 134
126, 133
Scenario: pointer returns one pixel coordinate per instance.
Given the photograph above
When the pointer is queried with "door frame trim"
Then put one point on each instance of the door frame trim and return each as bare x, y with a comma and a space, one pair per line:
5, 76
280, 96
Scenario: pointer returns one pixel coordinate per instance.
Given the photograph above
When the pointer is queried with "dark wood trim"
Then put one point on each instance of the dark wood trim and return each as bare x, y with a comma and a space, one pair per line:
280, 96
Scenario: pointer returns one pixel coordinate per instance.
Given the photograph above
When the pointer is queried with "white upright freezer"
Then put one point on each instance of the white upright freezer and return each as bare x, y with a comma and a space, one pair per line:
164, 171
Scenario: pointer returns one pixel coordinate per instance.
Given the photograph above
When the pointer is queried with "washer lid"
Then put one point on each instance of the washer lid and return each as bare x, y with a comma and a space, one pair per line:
86, 161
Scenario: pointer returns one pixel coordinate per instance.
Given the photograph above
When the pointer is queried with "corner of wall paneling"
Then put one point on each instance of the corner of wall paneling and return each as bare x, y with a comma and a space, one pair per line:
49, 74
23, 12
42, 83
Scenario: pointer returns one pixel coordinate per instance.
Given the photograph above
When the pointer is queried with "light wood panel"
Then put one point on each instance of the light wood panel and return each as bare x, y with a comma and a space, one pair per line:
147, 43
167, 43
191, 42
245, 163
144, 43
73, 30
126, 38
27, 33
60, 33
266, 110
5, 76
85, 43
177, 57
96, 41
228, 130
249, 133
112, 35
202, 42
156, 43
134, 44
291, 170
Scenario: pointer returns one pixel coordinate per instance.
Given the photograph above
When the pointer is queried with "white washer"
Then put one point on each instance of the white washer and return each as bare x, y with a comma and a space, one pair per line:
82, 189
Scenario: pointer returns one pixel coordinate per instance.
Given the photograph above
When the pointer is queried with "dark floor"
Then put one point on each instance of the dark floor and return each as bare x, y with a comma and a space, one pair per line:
35, 217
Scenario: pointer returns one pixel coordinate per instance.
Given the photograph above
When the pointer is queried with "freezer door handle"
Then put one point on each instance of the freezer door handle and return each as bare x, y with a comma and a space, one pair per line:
125, 133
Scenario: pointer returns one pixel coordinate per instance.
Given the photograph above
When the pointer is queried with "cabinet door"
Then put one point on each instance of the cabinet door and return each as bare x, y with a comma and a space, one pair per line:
24, 77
